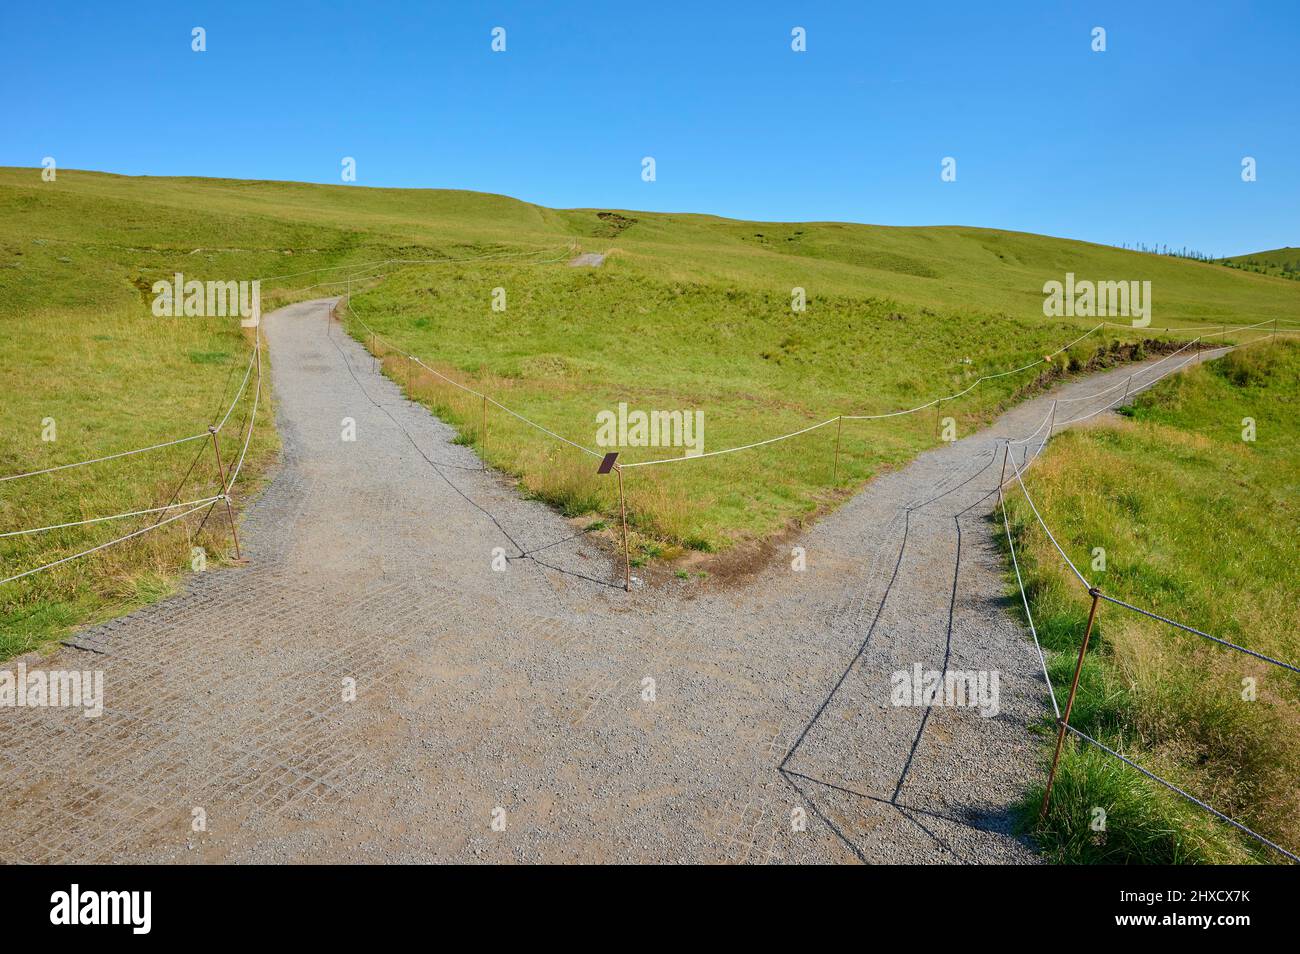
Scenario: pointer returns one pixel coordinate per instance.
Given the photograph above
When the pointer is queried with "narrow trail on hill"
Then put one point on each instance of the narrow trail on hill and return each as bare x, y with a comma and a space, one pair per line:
523, 690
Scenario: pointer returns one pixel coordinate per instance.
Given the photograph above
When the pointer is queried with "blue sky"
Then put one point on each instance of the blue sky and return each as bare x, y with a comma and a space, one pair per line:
1141, 143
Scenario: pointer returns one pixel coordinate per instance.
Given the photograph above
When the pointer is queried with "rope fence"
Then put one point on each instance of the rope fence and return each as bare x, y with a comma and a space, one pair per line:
228, 478
1097, 596
188, 507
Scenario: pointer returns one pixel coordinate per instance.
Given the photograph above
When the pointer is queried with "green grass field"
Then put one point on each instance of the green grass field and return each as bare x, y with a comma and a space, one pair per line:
1198, 525
1280, 262
689, 311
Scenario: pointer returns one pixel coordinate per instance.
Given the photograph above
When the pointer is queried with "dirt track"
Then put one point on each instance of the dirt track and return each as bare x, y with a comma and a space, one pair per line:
523, 689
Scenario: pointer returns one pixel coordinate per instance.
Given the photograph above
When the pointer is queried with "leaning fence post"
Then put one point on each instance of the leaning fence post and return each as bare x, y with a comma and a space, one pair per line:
839, 426
1052, 424
627, 557
1069, 703
1126, 389
608, 463
221, 474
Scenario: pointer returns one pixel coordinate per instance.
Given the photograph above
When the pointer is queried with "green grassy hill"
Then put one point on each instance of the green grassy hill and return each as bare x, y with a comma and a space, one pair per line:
1281, 262
107, 224
689, 311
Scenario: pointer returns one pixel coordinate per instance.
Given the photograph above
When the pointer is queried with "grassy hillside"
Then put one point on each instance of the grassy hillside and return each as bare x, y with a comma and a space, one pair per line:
1198, 525
1281, 262
689, 311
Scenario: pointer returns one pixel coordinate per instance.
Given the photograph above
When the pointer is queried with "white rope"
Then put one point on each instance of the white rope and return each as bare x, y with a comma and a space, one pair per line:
257, 394
1034, 433
97, 460
1137, 390
498, 404
730, 450
978, 381
116, 516
1047, 529
102, 546
469, 390
1028, 615
1197, 632
141, 450
1114, 324
238, 394
1187, 795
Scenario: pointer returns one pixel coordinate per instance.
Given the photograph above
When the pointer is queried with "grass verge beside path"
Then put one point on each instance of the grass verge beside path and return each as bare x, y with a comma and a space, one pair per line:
1199, 525
99, 384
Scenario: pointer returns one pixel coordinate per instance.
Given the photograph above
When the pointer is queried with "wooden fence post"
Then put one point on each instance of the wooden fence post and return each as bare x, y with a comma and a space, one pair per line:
1069, 704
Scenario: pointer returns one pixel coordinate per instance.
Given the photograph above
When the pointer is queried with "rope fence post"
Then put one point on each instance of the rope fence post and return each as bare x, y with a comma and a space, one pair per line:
485, 431
221, 474
1052, 426
1069, 704
607, 464
1126, 389
936, 416
839, 426
627, 553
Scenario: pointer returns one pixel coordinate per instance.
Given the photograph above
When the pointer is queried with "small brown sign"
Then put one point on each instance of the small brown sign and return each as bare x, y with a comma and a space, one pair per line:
607, 464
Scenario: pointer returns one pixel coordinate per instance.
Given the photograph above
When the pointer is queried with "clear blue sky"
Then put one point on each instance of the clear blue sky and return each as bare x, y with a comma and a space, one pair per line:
1141, 143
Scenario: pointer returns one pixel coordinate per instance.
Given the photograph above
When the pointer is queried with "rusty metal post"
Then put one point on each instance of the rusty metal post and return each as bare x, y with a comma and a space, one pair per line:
1003, 479
1069, 704
485, 432
937, 405
221, 472
408, 375
1051, 426
627, 555
839, 426
1126, 389
373, 346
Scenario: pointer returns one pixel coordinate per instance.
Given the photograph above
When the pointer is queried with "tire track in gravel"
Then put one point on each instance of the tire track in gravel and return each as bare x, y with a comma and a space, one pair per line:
523, 689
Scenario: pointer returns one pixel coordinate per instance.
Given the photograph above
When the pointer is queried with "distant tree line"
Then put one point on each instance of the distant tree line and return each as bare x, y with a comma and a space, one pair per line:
1183, 252
1286, 269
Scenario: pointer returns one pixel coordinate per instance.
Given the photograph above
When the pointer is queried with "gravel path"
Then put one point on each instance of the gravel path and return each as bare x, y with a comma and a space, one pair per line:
523, 690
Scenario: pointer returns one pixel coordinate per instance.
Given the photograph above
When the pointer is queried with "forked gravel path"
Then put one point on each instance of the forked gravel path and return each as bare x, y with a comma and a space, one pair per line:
523, 689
